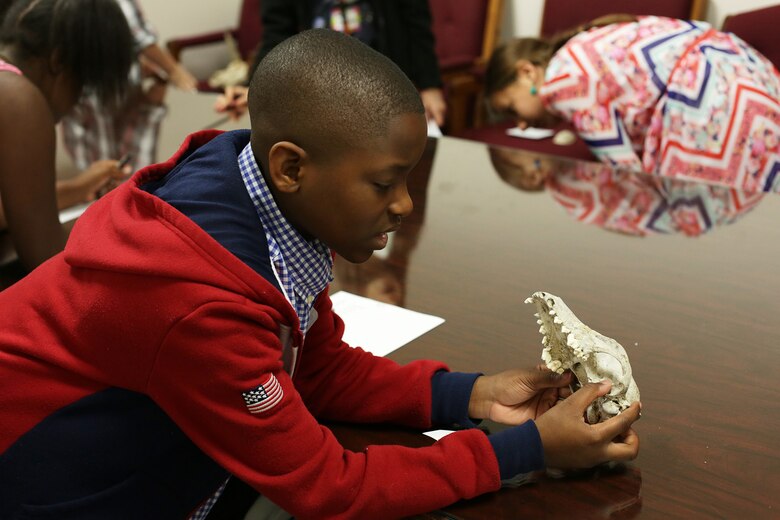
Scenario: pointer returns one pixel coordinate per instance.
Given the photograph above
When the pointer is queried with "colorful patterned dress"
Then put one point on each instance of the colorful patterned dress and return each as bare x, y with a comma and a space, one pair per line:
673, 98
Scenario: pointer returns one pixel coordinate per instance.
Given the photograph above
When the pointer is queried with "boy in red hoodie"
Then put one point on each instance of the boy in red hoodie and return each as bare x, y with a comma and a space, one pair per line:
186, 336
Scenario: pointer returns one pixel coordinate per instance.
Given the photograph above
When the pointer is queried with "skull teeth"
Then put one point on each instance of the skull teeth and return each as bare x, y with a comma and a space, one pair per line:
569, 343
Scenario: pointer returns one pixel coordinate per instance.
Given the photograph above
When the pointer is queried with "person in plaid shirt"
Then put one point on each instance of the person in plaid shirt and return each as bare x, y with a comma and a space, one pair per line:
129, 128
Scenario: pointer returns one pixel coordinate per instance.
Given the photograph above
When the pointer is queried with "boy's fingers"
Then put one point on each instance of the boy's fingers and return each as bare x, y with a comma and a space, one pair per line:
626, 449
545, 378
619, 424
588, 393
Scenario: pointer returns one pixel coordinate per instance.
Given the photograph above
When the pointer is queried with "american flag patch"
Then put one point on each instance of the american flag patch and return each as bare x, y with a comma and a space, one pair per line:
263, 397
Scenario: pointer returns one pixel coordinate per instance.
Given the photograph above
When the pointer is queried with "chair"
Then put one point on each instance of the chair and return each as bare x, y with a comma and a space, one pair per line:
561, 15
466, 33
759, 29
247, 35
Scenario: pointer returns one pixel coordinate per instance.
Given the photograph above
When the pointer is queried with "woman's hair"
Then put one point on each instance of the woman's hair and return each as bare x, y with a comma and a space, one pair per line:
4, 5
501, 71
89, 39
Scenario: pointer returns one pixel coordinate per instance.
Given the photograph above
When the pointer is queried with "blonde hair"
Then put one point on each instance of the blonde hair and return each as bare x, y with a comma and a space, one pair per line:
501, 71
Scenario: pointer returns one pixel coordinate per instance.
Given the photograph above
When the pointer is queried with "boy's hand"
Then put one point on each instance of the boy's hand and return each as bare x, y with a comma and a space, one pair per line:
514, 396
570, 442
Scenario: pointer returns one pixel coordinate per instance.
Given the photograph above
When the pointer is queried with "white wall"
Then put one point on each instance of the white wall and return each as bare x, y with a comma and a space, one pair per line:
175, 18
180, 18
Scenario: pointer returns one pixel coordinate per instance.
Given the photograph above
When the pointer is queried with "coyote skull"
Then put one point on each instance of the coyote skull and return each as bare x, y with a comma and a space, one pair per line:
570, 344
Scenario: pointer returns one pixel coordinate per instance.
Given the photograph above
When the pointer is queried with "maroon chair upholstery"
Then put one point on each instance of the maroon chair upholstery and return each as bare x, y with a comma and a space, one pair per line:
561, 15
459, 27
466, 33
758, 28
247, 34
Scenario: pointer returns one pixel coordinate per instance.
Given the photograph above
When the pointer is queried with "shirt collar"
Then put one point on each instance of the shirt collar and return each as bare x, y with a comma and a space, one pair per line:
308, 263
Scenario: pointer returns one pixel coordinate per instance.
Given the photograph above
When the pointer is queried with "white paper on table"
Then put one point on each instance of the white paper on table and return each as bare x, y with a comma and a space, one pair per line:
378, 327
530, 132
438, 434
433, 129
73, 212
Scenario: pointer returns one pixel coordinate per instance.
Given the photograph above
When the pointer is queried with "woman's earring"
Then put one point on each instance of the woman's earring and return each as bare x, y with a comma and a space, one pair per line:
533, 90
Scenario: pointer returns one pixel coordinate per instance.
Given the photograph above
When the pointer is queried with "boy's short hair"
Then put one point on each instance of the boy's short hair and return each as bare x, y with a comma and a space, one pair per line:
320, 88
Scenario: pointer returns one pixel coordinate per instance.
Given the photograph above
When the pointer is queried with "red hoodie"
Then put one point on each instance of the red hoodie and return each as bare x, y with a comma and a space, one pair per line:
144, 300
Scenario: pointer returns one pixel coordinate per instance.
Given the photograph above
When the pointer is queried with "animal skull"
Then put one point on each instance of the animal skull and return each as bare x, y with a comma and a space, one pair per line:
570, 344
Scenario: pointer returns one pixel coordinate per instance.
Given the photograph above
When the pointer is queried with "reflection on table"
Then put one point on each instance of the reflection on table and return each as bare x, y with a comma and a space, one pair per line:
625, 201
695, 305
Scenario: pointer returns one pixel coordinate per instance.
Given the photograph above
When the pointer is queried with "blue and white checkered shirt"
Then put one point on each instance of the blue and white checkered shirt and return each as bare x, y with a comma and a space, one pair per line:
303, 268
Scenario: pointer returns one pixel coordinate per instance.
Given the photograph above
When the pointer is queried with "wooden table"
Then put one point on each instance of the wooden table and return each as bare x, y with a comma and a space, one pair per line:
699, 317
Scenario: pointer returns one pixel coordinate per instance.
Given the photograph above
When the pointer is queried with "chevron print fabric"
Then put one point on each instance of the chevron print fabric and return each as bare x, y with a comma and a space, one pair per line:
673, 98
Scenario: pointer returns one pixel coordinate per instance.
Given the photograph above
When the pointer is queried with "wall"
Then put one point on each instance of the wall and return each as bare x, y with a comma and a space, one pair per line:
174, 18
177, 18
521, 17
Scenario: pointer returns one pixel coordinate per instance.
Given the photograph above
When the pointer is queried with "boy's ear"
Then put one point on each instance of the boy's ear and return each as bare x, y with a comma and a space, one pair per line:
285, 161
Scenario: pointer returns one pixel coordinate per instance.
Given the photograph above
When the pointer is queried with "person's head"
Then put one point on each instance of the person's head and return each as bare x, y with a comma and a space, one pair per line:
69, 46
336, 128
515, 72
523, 170
514, 75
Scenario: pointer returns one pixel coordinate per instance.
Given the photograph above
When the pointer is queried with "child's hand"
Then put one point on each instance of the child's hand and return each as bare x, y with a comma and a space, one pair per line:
570, 442
182, 79
234, 101
99, 178
514, 396
435, 106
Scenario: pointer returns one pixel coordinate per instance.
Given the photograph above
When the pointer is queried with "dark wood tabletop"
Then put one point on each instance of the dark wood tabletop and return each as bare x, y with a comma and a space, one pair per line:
685, 277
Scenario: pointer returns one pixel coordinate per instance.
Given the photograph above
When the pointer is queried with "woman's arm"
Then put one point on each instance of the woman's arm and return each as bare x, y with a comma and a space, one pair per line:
27, 172
177, 74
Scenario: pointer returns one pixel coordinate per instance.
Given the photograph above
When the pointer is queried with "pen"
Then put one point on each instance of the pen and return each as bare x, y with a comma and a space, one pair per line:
224, 119
124, 160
